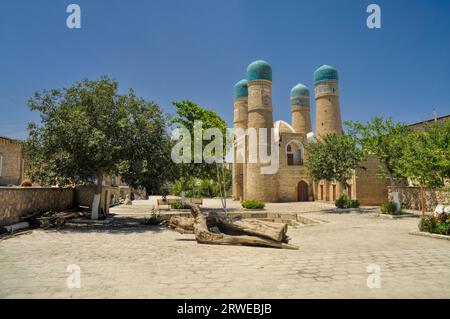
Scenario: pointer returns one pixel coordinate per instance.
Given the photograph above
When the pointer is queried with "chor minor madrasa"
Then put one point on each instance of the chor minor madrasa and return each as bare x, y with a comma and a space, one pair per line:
253, 109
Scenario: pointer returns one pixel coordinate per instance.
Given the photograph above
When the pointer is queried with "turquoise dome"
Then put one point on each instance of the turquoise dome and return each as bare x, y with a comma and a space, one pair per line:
259, 70
241, 89
325, 73
300, 90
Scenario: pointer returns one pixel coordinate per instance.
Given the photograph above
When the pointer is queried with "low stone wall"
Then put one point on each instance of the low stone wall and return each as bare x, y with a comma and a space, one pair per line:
410, 197
84, 195
16, 201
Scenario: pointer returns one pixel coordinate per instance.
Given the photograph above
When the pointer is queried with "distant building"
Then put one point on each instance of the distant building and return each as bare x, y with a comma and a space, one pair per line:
11, 162
421, 126
253, 110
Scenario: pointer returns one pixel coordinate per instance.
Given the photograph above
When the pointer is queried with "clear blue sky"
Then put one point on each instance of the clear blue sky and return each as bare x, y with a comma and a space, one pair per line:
197, 49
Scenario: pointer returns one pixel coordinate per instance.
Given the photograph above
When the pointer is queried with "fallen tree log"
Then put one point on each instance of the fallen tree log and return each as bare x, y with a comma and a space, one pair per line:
183, 225
214, 229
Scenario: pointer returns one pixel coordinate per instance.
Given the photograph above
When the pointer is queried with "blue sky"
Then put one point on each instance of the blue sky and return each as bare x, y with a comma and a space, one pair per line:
197, 49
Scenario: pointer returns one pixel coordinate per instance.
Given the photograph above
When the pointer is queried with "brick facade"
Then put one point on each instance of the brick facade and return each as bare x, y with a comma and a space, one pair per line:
11, 162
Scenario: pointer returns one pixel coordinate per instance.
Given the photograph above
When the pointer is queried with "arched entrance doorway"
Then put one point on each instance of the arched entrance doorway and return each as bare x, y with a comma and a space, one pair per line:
302, 191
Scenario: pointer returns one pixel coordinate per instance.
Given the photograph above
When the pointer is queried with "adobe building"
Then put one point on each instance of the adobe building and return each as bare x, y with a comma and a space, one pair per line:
422, 125
253, 109
11, 162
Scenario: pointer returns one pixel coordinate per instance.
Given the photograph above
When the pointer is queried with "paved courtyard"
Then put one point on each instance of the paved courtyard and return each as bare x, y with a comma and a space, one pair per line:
153, 262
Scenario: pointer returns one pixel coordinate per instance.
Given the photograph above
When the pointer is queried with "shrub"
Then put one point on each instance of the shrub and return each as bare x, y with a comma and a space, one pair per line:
353, 203
345, 202
154, 219
443, 228
177, 205
427, 224
341, 202
388, 208
253, 204
26, 183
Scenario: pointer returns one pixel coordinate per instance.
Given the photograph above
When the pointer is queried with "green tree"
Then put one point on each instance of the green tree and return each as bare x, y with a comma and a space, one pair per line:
425, 158
333, 158
382, 138
196, 120
149, 164
88, 128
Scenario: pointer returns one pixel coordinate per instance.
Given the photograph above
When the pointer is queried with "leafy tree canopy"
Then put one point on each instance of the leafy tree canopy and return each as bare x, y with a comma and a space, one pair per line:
189, 116
90, 129
383, 138
425, 157
333, 157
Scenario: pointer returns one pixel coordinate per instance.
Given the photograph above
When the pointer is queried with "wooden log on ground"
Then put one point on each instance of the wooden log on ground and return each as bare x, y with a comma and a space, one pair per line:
183, 225
251, 234
251, 227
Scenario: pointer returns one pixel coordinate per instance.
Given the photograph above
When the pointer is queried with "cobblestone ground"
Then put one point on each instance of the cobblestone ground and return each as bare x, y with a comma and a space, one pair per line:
153, 262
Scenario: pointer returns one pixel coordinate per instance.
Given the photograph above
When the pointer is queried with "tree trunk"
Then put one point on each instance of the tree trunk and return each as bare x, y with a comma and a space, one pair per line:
221, 181
96, 203
344, 187
213, 229
395, 194
391, 177
99, 188
183, 193
422, 200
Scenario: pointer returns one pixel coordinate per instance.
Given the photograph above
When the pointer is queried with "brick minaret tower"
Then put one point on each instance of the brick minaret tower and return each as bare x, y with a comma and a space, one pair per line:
328, 112
301, 116
240, 122
258, 185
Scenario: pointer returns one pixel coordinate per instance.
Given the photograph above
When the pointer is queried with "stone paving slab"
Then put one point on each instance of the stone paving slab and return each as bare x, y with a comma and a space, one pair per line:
153, 262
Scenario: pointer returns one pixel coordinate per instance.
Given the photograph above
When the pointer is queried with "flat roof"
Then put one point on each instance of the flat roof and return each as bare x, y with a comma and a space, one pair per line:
10, 139
431, 120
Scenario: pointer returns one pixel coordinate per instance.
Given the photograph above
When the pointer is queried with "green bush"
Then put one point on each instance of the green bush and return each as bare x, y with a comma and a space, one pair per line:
178, 205
443, 228
341, 202
154, 219
345, 202
438, 225
205, 188
388, 208
353, 203
427, 224
175, 188
253, 204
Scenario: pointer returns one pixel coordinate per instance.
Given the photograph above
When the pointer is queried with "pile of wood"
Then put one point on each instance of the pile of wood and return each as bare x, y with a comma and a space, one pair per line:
217, 230
44, 220
56, 220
